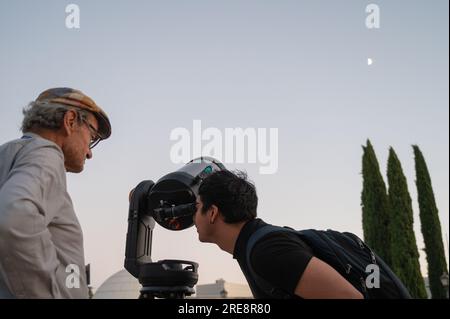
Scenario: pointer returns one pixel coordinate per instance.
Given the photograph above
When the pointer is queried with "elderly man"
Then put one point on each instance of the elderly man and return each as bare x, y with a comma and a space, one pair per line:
41, 242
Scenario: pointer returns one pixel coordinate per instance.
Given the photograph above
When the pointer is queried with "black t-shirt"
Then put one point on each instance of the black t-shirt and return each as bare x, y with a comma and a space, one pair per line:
280, 258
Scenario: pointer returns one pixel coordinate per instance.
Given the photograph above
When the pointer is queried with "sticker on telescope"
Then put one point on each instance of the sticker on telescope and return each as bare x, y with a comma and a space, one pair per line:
208, 170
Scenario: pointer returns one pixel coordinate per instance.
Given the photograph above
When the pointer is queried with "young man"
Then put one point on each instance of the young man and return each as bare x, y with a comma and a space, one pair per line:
226, 215
41, 240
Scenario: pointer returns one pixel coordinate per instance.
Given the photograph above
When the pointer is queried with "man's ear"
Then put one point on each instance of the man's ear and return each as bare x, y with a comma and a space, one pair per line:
69, 122
214, 214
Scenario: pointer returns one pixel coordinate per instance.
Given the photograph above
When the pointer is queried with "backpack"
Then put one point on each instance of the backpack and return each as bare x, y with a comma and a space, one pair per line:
347, 254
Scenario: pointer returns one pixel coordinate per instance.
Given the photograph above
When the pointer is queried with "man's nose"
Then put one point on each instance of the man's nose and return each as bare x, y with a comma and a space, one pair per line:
89, 154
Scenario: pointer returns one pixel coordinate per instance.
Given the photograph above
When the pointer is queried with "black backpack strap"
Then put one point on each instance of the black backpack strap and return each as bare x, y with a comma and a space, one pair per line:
262, 284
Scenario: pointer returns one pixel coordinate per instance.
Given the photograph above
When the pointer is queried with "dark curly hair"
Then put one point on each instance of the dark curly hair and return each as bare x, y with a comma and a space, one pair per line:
232, 193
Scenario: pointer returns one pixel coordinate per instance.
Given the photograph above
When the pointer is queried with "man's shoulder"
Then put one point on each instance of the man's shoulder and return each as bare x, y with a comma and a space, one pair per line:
33, 151
33, 141
281, 239
39, 148
11, 147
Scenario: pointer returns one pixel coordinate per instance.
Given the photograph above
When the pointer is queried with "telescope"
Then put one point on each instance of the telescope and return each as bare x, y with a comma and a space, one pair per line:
170, 202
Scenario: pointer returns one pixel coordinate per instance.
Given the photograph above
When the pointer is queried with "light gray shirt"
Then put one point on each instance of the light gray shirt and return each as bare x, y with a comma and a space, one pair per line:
41, 242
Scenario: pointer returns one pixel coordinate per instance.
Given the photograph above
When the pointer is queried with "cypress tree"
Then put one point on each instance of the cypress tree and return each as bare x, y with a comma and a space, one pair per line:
431, 227
375, 208
405, 256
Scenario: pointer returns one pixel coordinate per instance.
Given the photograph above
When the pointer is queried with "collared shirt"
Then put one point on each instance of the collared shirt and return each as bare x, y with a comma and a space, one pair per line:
41, 242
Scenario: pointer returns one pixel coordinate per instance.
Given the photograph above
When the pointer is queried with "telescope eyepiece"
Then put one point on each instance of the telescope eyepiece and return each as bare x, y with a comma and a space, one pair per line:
165, 213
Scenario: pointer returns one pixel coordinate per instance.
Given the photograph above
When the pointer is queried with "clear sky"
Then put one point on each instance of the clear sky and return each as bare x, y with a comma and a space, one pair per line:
299, 66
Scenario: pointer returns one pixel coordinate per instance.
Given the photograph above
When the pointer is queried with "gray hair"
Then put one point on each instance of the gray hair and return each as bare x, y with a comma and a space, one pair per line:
47, 115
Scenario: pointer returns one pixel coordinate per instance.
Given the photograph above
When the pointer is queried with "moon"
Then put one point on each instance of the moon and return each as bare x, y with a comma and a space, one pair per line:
369, 61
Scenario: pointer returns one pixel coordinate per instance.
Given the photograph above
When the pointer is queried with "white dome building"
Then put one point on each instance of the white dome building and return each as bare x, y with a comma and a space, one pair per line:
222, 289
121, 285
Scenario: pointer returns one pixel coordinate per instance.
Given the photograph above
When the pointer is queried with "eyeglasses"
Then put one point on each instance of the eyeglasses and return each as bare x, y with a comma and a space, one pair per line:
95, 136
